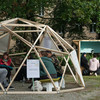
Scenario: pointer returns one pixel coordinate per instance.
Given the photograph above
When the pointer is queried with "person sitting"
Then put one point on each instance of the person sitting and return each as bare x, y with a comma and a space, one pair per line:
84, 64
56, 63
93, 65
3, 81
48, 64
5, 62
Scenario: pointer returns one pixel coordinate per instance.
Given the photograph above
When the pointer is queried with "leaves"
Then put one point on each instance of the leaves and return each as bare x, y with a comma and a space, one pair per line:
73, 12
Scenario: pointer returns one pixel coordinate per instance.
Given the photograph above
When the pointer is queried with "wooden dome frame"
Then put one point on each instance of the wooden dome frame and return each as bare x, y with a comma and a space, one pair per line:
8, 27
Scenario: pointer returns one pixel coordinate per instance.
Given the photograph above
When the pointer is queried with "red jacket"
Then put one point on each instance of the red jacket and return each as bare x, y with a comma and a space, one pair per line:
8, 62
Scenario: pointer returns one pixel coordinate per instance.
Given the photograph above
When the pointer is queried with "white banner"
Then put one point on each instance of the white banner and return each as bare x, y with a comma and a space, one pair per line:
75, 62
33, 69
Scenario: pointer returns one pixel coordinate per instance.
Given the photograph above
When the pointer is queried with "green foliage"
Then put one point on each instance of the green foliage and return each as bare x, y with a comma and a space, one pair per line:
22, 8
69, 15
73, 14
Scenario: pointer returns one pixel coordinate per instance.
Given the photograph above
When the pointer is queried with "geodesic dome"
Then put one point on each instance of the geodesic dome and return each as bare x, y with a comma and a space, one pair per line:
48, 39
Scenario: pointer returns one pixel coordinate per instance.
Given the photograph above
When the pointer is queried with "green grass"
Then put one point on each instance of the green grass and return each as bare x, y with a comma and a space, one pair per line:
92, 78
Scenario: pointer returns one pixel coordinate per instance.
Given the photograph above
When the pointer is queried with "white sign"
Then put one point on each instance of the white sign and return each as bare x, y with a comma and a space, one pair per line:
33, 70
74, 60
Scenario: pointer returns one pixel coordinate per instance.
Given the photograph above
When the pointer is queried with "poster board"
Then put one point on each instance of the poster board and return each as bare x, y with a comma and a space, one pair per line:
33, 68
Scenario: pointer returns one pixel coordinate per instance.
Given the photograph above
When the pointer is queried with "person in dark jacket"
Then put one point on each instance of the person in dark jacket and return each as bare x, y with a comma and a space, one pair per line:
84, 61
49, 65
84, 64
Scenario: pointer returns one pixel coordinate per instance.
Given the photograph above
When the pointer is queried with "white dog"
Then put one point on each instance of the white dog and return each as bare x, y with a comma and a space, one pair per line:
37, 86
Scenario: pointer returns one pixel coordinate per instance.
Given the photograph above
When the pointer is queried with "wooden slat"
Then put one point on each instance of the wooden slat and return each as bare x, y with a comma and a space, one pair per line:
19, 25
70, 90
39, 47
25, 31
3, 35
85, 40
31, 92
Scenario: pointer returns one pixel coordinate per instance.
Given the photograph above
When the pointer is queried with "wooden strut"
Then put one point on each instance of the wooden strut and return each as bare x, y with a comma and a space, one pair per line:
59, 41
29, 44
61, 38
65, 58
3, 30
27, 31
31, 23
55, 45
19, 25
25, 57
9, 42
64, 72
25, 41
39, 47
22, 64
46, 70
3, 35
24, 21
70, 69
16, 54
70, 90
44, 92
72, 74
53, 41
38, 25
9, 21
64, 42
67, 61
2, 87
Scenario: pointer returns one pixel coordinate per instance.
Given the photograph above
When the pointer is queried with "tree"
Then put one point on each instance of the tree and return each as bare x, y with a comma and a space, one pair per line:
28, 9
72, 15
68, 15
